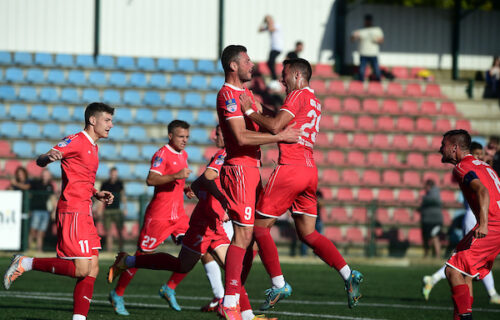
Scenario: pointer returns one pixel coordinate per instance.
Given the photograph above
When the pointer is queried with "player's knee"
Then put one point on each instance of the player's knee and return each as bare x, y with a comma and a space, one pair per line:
82, 272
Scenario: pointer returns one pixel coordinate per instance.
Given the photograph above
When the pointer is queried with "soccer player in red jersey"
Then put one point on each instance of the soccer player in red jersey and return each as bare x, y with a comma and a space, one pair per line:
476, 252
293, 184
240, 176
78, 242
165, 214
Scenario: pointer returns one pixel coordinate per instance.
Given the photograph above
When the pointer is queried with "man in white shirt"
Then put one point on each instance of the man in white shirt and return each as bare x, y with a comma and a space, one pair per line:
369, 38
276, 42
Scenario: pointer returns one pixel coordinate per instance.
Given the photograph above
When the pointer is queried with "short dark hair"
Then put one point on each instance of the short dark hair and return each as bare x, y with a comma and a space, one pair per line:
177, 124
368, 17
113, 169
300, 65
429, 182
229, 54
298, 43
460, 137
95, 108
475, 146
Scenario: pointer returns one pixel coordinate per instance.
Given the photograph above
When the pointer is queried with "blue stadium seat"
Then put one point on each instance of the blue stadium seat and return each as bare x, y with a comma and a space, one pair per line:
102, 170
200, 136
173, 99
164, 116
18, 112
5, 58
9, 129
178, 81
158, 81
78, 114
70, 95
134, 189
146, 64
198, 82
72, 128
132, 97
90, 95
35, 76
14, 75
165, 64
194, 154
138, 80
125, 63
124, 170
23, 149
205, 66
219, 67
132, 210
60, 113
118, 79
210, 100
7, 93
111, 97
130, 152
3, 111
49, 94
216, 83
136, 133
185, 65
55, 169
85, 61
123, 115
148, 150
23, 58
105, 62
108, 151
28, 94
42, 147
141, 170
186, 115
51, 131
64, 60
56, 76
30, 130
144, 116
152, 98
98, 78
44, 59
117, 133
77, 78
193, 100
207, 118
39, 112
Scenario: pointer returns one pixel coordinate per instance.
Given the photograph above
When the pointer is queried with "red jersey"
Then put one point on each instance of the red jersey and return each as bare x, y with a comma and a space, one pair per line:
228, 107
306, 111
168, 199
79, 165
467, 170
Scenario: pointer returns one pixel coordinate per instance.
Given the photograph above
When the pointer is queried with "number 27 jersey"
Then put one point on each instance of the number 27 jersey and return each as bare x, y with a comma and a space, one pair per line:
306, 111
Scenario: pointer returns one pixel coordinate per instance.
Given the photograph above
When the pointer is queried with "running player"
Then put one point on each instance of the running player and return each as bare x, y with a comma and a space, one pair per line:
77, 239
476, 252
469, 221
165, 214
240, 176
293, 184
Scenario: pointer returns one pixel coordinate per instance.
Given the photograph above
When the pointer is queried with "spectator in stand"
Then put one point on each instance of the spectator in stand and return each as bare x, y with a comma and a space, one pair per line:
492, 88
276, 45
270, 99
299, 46
20, 180
369, 39
431, 217
113, 214
42, 204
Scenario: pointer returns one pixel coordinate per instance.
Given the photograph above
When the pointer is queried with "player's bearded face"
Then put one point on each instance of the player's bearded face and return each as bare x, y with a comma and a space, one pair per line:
245, 67
179, 138
447, 149
288, 79
103, 124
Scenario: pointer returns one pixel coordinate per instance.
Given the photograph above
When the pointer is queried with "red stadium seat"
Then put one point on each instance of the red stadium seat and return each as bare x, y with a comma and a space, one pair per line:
385, 195
390, 107
354, 235
424, 125
434, 161
432, 90
434, 176
332, 104
334, 234
380, 141
5, 150
33, 169
327, 122
400, 142
391, 178
319, 157
322, 140
385, 123
350, 177
209, 152
442, 125
337, 87
428, 108
365, 195
330, 176
405, 124
359, 215
401, 216
419, 143
448, 196
393, 160
351, 105
415, 160
394, 89
412, 179
436, 142
400, 72
375, 89
11, 166
463, 124
371, 178
338, 215
263, 68
382, 216
356, 159
325, 71
447, 179
356, 88
371, 106
345, 194
415, 236
360, 140
414, 72
335, 158
410, 107
413, 90
4, 184
376, 159
406, 196
340, 140
366, 123
448, 108
318, 86
327, 193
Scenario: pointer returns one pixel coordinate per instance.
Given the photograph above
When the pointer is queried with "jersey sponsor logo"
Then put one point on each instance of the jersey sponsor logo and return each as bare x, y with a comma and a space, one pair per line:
64, 142
220, 159
231, 105
157, 161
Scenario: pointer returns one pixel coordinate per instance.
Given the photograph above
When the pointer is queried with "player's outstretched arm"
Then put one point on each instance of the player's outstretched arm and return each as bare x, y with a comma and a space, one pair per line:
246, 137
271, 124
206, 182
484, 203
156, 179
44, 159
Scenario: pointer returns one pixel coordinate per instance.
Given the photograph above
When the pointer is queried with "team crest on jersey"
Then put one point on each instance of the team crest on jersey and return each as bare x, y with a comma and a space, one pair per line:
220, 159
157, 161
64, 142
231, 105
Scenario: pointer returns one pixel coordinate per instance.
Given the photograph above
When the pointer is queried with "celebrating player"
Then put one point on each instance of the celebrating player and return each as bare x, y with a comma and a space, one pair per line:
293, 184
165, 214
476, 252
240, 176
77, 239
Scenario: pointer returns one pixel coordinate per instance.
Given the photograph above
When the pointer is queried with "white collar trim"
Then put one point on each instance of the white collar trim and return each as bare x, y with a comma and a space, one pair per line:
233, 87
88, 137
172, 149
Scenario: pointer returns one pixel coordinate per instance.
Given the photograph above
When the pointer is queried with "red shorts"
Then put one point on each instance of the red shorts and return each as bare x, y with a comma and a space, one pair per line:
290, 187
77, 236
242, 184
200, 239
155, 231
474, 257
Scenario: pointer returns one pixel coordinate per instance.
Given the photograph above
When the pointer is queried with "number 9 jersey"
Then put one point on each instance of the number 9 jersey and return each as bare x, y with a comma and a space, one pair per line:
306, 111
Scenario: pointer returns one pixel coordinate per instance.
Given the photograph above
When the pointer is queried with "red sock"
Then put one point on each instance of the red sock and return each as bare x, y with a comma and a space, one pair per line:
461, 299
244, 301
247, 263
234, 266
82, 295
124, 280
325, 249
175, 279
268, 251
55, 265
158, 261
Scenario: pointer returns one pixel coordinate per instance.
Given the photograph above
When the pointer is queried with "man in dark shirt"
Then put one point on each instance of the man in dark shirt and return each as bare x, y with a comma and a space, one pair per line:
299, 46
113, 212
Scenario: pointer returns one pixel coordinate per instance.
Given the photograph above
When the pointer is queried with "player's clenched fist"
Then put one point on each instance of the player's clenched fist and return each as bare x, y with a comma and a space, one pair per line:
105, 196
183, 173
